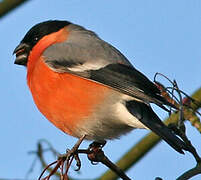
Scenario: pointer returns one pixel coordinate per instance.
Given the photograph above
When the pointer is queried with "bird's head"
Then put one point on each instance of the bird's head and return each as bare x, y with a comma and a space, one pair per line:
33, 36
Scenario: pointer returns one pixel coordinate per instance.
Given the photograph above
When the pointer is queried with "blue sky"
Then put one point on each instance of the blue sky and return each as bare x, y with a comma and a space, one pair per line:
155, 35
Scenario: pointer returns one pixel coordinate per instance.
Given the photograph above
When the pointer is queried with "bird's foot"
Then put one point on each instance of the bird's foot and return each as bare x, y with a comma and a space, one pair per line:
72, 154
64, 162
95, 153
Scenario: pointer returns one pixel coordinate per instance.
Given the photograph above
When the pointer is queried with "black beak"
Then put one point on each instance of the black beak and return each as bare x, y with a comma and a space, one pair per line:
22, 52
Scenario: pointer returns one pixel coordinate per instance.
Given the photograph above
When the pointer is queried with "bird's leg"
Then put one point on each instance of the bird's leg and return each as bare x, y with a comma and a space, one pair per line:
74, 154
73, 151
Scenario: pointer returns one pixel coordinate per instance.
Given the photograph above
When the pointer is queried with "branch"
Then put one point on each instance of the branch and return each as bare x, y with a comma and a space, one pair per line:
94, 153
7, 6
148, 142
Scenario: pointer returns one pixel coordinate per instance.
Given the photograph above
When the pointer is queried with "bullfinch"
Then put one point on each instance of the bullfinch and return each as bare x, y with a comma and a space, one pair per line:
85, 86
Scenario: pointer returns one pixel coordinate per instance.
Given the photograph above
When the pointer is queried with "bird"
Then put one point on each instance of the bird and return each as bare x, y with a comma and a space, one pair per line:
86, 87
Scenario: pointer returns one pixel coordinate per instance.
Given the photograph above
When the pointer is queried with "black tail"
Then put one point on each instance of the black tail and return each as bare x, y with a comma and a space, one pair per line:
148, 117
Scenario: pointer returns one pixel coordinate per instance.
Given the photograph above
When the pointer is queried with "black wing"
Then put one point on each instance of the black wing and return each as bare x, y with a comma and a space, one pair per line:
121, 77
130, 81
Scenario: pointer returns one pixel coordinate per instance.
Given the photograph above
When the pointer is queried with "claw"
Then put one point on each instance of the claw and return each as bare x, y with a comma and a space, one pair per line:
78, 162
65, 158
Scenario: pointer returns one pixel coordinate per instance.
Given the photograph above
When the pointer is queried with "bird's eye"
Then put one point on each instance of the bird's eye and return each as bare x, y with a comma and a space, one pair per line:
36, 39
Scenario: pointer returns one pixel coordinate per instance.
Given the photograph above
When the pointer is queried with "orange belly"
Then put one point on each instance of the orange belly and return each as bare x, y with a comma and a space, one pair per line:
64, 99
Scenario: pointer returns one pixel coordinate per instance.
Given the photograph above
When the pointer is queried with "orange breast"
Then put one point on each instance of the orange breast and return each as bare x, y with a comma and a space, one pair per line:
65, 99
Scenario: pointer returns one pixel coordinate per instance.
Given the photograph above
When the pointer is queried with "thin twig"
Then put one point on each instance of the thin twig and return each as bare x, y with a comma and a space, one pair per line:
181, 108
48, 166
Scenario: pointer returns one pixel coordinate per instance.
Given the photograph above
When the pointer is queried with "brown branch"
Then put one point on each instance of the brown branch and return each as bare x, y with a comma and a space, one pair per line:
7, 6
